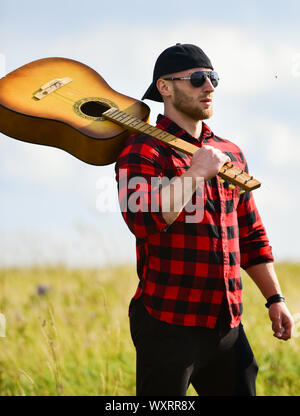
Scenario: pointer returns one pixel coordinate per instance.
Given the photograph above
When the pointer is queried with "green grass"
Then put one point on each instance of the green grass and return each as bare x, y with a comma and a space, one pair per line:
75, 339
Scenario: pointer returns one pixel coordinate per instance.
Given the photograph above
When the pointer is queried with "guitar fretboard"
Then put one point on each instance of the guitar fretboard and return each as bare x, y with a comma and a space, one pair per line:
138, 126
228, 171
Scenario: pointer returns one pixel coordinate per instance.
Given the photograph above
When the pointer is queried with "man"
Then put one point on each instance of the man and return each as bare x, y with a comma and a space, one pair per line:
185, 317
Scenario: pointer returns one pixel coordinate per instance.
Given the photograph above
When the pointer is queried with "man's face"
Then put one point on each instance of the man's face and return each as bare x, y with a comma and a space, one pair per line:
188, 99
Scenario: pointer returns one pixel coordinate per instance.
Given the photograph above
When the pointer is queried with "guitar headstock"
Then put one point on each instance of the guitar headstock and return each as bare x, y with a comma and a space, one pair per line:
238, 177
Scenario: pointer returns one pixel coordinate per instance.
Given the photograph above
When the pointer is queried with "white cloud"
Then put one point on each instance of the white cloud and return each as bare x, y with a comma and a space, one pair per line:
32, 163
51, 168
283, 147
248, 67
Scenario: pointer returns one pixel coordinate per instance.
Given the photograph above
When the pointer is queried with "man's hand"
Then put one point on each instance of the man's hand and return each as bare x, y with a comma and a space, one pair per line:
264, 276
282, 320
207, 161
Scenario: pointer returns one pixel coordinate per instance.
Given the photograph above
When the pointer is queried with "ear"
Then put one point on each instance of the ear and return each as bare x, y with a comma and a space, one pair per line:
164, 87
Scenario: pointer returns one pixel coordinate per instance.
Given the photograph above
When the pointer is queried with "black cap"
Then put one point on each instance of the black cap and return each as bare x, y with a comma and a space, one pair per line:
175, 59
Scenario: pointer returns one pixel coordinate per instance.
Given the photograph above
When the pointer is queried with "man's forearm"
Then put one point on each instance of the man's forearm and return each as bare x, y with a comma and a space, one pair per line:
265, 278
205, 164
177, 194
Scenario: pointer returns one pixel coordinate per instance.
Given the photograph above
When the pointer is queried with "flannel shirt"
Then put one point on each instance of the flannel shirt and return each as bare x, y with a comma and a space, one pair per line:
185, 269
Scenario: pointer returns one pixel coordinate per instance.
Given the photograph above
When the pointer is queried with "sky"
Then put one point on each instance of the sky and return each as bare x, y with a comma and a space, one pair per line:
52, 206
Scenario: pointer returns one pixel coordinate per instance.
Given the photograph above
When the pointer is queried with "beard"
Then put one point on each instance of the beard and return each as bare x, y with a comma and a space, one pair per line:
190, 106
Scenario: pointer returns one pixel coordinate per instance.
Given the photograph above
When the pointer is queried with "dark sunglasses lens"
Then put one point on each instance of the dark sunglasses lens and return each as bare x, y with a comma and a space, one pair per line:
198, 78
214, 78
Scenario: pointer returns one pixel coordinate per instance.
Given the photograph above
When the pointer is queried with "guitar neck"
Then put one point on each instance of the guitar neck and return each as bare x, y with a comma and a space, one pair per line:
228, 171
138, 126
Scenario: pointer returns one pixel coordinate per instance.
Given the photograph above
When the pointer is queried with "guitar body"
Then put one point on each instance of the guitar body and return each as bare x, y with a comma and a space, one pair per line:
68, 117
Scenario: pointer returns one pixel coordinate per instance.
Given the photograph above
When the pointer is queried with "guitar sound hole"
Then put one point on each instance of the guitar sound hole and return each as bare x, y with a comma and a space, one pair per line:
94, 108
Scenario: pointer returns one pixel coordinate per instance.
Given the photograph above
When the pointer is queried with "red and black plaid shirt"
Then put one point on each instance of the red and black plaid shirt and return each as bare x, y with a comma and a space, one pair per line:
185, 268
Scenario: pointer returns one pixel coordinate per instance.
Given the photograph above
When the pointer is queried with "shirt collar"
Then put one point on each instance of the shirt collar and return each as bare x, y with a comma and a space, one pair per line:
164, 123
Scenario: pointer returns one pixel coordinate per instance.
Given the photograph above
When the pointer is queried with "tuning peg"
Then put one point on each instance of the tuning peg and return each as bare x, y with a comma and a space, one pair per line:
242, 191
231, 186
221, 180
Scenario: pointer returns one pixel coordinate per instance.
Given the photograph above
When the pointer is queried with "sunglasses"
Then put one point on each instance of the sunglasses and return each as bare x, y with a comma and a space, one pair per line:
198, 78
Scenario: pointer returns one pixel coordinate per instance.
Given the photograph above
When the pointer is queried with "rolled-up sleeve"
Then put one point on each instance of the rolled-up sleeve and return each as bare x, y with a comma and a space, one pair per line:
254, 242
138, 174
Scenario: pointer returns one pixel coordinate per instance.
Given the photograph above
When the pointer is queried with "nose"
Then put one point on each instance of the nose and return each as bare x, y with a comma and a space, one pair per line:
207, 86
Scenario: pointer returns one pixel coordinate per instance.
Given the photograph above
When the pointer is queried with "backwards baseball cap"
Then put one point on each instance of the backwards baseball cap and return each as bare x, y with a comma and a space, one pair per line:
175, 59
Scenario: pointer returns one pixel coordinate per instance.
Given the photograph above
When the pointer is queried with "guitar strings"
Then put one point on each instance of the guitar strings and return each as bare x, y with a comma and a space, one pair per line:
58, 95
74, 91
78, 92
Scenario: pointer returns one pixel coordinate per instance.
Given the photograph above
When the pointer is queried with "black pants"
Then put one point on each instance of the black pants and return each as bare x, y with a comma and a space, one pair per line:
218, 362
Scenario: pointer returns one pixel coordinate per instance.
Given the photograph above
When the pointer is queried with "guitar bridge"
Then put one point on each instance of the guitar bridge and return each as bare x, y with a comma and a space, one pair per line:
51, 86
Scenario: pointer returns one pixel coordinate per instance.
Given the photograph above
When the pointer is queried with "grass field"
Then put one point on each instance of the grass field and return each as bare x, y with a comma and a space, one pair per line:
75, 339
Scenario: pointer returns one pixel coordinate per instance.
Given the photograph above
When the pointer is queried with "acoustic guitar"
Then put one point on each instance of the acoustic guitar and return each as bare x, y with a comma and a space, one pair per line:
64, 103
